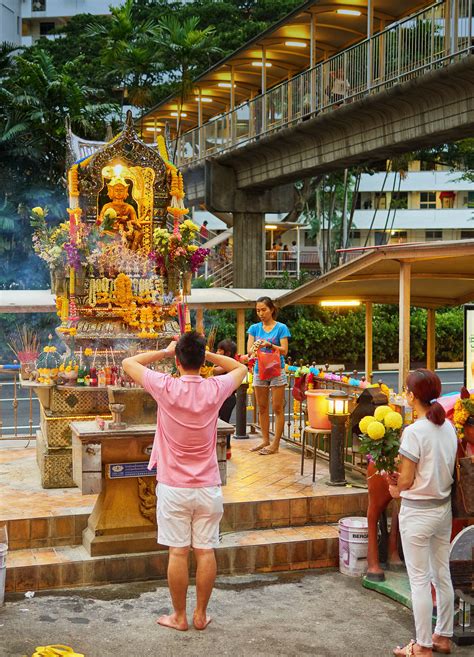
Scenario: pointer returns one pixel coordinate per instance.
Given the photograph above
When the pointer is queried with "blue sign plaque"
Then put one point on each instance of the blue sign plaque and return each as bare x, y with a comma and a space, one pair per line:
133, 469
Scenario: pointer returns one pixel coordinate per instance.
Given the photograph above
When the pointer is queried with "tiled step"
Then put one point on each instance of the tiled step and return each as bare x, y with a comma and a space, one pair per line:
63, 530
265, 550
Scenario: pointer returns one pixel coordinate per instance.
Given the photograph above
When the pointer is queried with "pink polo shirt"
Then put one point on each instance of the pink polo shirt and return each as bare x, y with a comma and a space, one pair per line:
184, 449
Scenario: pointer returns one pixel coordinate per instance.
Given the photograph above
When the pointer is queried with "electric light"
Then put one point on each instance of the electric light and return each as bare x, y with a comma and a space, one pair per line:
177, 114
270, 227
154, 129
338, 403
267, 64
348, 12
296, 44
225, 85
203, 99
118, 170
341, 302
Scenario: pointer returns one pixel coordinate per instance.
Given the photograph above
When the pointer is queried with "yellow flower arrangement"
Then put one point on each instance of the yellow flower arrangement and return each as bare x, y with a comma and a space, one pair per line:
381, 412
463, 409
364, 423
376, 430
380, 439
38, 211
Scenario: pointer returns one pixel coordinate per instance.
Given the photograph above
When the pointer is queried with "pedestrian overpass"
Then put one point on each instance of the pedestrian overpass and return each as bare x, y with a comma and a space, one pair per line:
408, 86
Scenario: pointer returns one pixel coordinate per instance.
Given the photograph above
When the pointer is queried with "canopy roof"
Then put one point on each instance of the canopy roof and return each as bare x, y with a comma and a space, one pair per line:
333, 32
442, 274
42, 301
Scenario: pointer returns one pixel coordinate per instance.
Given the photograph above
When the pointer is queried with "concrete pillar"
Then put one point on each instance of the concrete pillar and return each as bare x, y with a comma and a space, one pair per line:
431, 339
241, 346
368, 341
249, 249
404, 327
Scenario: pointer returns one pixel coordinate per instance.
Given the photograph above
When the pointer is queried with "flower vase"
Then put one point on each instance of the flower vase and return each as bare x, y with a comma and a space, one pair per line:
173, 281
57, 282
187, 283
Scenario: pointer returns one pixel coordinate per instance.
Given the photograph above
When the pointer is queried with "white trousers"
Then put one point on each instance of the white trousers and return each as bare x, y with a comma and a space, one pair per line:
425, 538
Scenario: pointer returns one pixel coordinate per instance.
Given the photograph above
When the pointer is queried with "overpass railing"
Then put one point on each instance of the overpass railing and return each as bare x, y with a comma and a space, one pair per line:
427, 40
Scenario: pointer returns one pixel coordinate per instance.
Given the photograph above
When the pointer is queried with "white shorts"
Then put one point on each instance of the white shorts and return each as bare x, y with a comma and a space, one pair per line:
189, 516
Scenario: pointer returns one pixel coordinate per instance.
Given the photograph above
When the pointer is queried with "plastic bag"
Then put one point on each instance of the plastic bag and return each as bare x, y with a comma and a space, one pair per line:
269, 364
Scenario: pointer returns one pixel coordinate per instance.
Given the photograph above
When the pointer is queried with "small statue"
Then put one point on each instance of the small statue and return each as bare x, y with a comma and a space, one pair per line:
125, 221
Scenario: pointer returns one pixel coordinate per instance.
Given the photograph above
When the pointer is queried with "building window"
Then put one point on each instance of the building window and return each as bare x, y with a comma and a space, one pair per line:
381, 201
308, 240
431, 235
467, 234
398, 236
38, 5
354, 235
470, 199
428, 200
46, 28
399, 201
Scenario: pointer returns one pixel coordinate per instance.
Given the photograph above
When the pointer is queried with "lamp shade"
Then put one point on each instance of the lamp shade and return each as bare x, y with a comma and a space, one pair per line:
338, 403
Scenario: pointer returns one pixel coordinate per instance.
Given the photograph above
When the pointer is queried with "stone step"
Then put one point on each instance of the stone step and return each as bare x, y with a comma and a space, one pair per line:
251, 551
66, 530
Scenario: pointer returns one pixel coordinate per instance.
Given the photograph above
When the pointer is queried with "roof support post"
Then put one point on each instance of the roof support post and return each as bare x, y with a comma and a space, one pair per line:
200, 320
249, 249
404, 324
431, 339
199, 121
240, 332
370, 22
368, 341
233, 119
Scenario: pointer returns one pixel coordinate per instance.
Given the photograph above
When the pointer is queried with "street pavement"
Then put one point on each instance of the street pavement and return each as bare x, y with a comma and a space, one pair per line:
318, 613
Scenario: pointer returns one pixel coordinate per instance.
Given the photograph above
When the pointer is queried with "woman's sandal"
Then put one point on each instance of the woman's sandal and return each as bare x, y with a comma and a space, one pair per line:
257, 448
407, 651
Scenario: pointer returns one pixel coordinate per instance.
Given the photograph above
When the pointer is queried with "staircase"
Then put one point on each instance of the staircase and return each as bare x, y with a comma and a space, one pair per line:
222, 277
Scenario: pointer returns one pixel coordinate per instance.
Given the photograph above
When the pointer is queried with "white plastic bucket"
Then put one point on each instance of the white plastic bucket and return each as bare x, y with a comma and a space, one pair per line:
3, 570
353, 544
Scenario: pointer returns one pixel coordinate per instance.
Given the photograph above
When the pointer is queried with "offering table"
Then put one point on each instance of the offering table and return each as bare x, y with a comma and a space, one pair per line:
113, 462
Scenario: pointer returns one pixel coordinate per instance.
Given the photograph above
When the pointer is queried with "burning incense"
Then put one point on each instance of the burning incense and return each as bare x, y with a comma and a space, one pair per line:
24, 344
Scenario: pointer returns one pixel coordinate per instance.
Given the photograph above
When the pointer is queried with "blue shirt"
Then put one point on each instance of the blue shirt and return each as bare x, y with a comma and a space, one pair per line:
274, 336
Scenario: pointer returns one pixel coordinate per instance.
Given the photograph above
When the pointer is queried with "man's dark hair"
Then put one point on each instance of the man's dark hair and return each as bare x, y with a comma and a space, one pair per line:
191, 350
229, 347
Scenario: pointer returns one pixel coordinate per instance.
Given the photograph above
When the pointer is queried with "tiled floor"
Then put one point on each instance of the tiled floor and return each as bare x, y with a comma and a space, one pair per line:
250, 477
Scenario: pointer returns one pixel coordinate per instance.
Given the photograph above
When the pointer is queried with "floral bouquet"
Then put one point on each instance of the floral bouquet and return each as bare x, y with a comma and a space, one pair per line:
463, 410
176, 251
380, 439
49, 241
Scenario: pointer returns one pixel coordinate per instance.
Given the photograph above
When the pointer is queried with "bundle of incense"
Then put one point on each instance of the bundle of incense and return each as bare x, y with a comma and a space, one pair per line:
24, 344
211, 338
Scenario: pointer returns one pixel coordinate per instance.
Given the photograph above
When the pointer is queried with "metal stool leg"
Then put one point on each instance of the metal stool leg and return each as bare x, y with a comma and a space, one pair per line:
302, 450
315, 442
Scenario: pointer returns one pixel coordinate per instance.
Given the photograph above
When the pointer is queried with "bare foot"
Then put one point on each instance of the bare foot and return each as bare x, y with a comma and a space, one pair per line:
173, 623
441, 644
268, 450
201, 622
259, 447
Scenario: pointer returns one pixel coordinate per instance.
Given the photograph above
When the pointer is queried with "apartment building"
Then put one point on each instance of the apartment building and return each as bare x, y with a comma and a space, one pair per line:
423, 206
23, 22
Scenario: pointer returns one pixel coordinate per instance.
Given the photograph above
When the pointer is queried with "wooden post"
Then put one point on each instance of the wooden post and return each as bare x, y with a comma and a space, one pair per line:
241, 348
368, 341
431, 339
404, 327
200, 320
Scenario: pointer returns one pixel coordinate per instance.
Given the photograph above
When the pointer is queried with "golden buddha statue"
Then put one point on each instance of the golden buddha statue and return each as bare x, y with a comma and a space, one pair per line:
125, 222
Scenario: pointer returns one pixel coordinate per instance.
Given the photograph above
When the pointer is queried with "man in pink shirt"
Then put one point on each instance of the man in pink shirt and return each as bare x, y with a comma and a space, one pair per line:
189, 497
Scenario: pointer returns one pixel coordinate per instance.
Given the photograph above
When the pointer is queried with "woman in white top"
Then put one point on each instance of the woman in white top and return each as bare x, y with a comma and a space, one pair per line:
428, 455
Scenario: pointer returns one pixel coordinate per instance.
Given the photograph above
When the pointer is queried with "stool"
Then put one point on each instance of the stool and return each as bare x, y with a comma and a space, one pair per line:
316, 432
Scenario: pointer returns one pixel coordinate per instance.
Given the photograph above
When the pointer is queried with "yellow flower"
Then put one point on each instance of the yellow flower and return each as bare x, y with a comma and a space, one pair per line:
38, 211
110, 213
192, 248
87, 351
393, 420
376, 430
364, 423
381, 412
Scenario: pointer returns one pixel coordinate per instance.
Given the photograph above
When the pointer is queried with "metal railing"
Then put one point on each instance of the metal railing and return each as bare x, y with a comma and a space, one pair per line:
427, 40
277, 263
19, 410
296, 419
